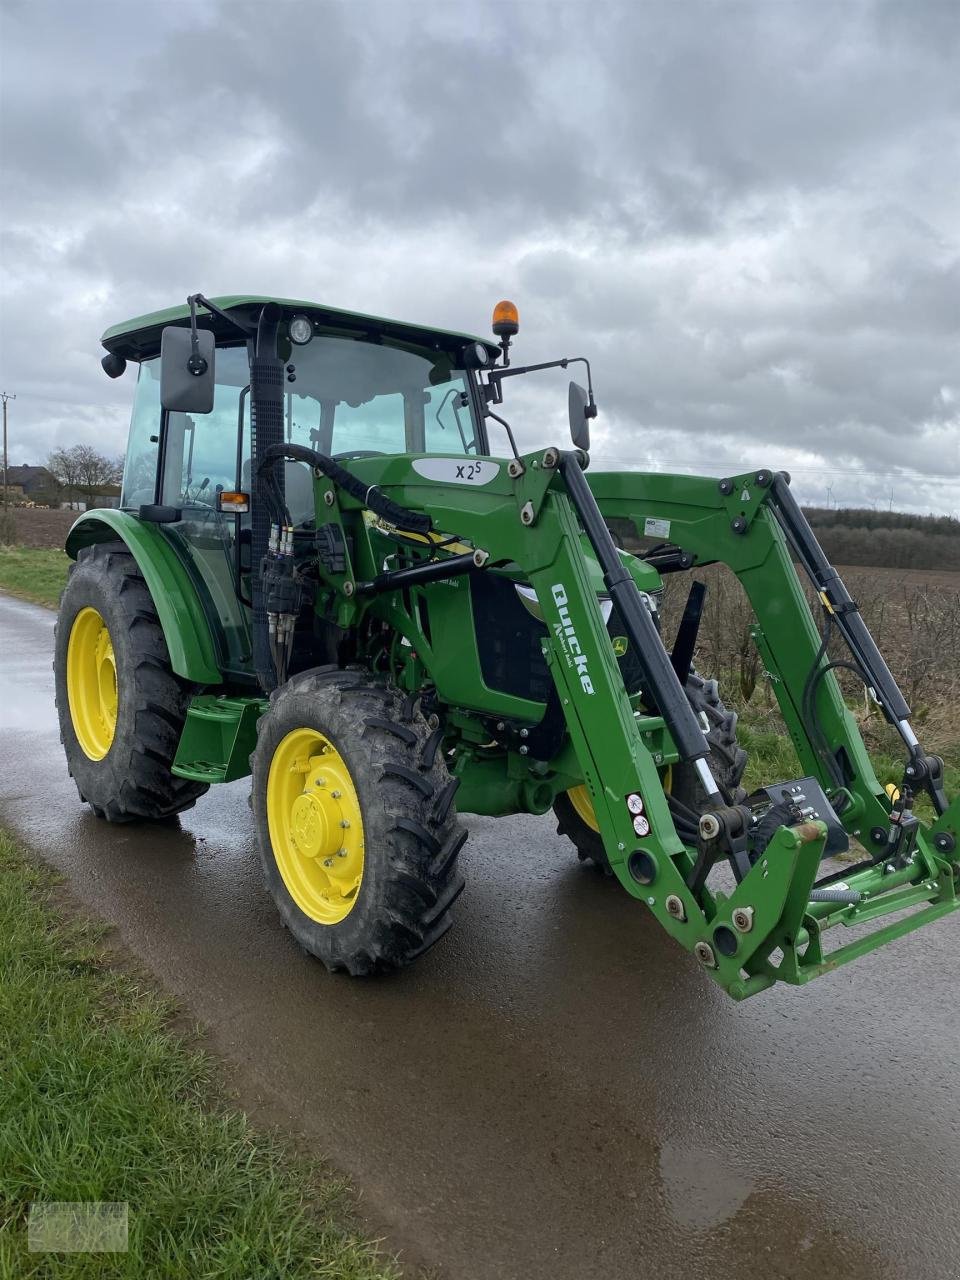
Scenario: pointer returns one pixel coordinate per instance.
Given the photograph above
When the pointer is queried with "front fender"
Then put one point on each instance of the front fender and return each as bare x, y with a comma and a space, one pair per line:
190, 642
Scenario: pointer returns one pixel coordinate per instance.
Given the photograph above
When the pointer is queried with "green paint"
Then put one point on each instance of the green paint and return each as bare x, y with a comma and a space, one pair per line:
186, 629
218, 738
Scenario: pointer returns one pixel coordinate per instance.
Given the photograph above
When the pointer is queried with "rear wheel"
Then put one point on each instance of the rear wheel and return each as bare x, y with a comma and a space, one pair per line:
121, 708
727, 759
354, 811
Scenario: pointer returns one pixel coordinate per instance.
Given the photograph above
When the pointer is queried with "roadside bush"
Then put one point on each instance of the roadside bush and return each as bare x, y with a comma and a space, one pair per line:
8, 528
915, 622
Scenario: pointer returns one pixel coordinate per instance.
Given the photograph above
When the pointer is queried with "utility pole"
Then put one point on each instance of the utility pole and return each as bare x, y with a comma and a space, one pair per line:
5, 396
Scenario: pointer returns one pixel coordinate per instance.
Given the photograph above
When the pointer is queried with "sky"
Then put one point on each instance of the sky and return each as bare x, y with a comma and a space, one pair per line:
746, 215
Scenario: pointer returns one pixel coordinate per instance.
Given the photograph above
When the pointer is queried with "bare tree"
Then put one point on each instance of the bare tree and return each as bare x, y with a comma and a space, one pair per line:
82, 470
64, 466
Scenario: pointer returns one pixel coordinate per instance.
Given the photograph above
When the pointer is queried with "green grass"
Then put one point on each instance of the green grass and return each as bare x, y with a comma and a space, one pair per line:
772, 756
102, 1101
34, 573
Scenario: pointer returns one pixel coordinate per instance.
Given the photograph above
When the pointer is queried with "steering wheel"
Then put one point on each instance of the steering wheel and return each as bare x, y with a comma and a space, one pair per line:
359, 453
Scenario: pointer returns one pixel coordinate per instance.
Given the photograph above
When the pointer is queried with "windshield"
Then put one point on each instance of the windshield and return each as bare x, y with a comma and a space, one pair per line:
362, 397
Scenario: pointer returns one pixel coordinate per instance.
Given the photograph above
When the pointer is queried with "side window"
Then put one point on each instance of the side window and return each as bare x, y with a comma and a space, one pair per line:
447, 420
200, 456
140, 468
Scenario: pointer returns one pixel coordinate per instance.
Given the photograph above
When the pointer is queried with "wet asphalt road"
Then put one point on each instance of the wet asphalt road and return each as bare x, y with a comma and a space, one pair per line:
555, 1091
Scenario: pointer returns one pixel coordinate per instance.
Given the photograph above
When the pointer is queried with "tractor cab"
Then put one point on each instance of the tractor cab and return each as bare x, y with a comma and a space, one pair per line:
353, 386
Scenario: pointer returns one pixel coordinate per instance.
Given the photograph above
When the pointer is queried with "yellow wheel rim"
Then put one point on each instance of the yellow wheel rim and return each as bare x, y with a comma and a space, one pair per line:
315, 824
92, 684
580, 799
583, 804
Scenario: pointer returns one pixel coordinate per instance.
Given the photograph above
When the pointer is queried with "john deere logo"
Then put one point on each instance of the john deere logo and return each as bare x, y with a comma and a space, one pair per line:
619, 645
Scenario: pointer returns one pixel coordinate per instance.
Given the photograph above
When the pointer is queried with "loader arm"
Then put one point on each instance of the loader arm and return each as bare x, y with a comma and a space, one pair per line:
745, 522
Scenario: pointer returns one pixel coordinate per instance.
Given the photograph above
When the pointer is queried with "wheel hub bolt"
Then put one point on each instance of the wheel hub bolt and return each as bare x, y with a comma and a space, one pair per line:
675, 907
704, 953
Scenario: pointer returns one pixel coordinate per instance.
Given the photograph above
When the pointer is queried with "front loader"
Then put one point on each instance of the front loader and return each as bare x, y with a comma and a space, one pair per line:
322, 573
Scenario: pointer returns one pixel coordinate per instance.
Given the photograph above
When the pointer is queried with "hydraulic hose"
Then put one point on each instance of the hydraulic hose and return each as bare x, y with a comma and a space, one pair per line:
837, 600
368, 495
266, 430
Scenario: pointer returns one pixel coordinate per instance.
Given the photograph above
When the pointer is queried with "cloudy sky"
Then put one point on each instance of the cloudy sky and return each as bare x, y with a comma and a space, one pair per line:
746, 214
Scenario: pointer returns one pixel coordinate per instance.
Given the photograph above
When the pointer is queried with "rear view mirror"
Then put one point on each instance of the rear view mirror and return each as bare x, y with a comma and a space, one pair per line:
580, 414
187, 378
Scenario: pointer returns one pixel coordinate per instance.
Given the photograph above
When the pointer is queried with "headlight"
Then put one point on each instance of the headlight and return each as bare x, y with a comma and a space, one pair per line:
301, 330
530, 601
476, 356
532, 604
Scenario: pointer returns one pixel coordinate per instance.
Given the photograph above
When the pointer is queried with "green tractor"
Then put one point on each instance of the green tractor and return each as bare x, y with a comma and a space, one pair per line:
323, 573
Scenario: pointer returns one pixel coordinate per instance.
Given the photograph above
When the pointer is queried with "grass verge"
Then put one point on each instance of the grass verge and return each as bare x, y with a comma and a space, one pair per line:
37, 574
102, 1101
772, 756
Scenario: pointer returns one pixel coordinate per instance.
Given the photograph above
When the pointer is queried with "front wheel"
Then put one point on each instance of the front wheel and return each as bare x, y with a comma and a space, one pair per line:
355, 820
727, 760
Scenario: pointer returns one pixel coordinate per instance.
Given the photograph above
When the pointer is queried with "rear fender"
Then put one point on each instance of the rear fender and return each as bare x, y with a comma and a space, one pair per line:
186, 630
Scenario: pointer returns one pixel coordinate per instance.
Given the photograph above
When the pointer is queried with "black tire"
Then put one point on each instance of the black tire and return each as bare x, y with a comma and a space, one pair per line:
727, 759
412, 838
133, 780
586, 841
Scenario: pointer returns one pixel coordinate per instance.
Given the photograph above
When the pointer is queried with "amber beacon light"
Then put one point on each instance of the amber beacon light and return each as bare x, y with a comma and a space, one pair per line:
506, 319
506, 323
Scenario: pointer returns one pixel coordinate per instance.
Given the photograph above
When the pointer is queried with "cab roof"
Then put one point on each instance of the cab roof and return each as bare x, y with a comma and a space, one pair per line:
139, 338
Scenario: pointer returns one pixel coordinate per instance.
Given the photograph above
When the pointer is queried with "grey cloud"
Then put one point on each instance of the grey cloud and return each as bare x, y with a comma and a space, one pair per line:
744, 213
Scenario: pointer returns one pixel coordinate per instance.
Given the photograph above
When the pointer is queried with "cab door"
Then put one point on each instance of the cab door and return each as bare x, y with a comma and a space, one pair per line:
201, 456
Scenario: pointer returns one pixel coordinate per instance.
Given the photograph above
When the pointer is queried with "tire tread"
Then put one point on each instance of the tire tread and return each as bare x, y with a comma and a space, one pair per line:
411, 828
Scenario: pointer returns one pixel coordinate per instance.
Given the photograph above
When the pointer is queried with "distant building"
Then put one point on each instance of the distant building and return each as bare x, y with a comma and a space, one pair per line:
106, 495
34, 484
